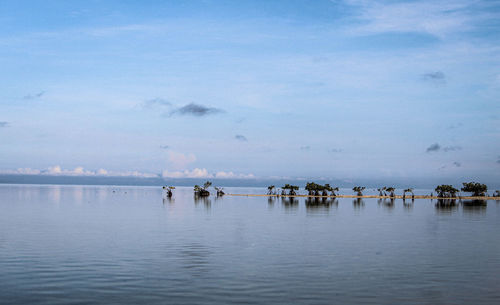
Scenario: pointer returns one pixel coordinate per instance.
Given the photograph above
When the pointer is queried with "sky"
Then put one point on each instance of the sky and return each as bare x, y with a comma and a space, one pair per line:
251, 89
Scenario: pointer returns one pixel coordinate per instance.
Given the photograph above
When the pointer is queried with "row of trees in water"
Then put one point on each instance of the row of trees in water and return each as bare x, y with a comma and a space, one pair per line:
444, 190
202, 191
315, 189
199, 191
477, 189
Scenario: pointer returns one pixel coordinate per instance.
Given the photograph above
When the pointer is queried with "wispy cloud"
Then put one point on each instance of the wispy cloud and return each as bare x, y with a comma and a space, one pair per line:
319, 59
156, 102
127, 29
4, 124
335, 150
452, 148
437, 18
34, 96
455, 126
179, 160
241, 138
434, 147
436, 77
169, 109
196, 110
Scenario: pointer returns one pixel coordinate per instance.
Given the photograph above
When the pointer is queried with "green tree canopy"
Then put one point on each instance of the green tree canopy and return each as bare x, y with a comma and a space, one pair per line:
477, 189
446, 190
270, 189
207, 185
359, 190
390, 189
292, 188
202, 191
313, 188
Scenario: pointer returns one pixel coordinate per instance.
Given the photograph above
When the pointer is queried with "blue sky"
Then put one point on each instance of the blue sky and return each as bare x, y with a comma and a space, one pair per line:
235, 89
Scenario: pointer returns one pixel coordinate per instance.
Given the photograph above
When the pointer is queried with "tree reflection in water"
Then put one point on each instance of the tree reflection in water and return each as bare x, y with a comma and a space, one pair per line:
290, 203
320, 203
358, 203
270, 202
168, 200
386, 203
474, 206
408, 204
446, 205
207, 202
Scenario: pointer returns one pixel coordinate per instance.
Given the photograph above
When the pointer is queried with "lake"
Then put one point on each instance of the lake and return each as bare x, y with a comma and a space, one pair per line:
117, 245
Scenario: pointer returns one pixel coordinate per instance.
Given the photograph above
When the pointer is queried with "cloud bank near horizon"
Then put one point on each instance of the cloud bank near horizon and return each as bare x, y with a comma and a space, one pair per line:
77, 171
80, 171
203, 173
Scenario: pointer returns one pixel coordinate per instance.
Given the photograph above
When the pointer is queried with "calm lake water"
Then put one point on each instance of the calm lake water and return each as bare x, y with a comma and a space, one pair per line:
116, 245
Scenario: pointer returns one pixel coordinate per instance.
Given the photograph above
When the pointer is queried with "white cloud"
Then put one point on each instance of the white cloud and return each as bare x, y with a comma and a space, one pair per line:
54, 170
180, 160
124, 29
203, 173
27, 171
80, 171
195, 173
102, 172
77, 171
224, 175
233, 175
132, 174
